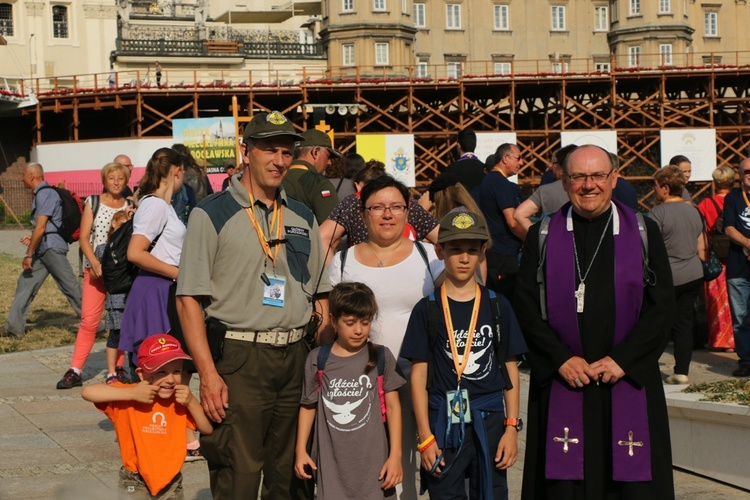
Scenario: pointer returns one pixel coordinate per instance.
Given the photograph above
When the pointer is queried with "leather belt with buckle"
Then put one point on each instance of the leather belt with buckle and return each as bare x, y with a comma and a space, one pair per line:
274, 338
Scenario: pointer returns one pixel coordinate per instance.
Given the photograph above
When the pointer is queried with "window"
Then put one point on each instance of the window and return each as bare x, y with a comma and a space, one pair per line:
502, 68
559, 64
665, 6
347, 54
422, 71
453, 16
347, 6
665, 54
379, 5
59, 21
454, 70
502, 22
601, 18
634, 56
6, 19
381, 54
419, 15
711, 24
558, 18
404, 6
602, 66
635, 7
615, 11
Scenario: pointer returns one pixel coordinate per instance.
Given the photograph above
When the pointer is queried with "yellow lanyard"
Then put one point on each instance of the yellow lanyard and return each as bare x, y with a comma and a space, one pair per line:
276, 219
460, 365
744, 195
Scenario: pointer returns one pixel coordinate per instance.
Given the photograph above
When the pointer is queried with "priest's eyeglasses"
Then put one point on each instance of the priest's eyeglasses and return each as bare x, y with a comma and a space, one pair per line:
598, 178
379, 210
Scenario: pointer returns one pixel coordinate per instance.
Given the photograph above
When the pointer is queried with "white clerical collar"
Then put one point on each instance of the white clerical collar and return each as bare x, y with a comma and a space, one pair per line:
615, 219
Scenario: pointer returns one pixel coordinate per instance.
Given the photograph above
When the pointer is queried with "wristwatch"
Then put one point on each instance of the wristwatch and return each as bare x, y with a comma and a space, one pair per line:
514, 422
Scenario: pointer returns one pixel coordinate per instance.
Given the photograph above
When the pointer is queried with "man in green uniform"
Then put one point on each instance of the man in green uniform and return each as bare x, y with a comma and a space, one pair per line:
305, 181
252, 260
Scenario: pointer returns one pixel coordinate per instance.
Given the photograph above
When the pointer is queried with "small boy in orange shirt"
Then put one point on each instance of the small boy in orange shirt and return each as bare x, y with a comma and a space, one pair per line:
150, 419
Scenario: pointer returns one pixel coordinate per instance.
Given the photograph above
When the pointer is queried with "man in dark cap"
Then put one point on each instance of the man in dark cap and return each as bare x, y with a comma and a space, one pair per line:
243, 246
305, 181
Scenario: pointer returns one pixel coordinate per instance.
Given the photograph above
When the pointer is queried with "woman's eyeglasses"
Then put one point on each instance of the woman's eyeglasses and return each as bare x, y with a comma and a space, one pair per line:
380, 209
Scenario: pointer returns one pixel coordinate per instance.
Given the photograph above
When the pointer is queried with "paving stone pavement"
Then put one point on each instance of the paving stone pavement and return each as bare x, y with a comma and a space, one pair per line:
53, 444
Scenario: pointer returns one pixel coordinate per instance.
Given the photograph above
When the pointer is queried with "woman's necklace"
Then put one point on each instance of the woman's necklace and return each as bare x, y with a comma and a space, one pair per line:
380, 261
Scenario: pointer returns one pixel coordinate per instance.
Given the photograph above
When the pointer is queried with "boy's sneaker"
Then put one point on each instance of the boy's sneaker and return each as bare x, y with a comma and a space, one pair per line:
122, 375
70, 379
193, 455
111, 379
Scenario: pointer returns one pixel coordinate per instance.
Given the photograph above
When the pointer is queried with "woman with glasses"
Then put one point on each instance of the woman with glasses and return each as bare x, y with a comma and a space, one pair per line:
400, 272
346, 219
681, 226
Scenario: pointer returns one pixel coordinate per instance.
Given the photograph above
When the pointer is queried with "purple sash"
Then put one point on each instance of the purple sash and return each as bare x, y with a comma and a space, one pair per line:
631, 450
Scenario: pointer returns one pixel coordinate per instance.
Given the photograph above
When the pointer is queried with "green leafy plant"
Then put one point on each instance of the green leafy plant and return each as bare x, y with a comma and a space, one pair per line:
724, 391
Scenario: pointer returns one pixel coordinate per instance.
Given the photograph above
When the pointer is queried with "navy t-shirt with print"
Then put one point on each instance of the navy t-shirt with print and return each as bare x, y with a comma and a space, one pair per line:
737, 215
482, 374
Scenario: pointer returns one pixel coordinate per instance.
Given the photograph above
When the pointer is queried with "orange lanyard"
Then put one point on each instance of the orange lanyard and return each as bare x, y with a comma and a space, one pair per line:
744, 195
460, 365
276, 219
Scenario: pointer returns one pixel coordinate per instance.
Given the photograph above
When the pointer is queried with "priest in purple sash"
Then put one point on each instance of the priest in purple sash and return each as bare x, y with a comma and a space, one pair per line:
596, 314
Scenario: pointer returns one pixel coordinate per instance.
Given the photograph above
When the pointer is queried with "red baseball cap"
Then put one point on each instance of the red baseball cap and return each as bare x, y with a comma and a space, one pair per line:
158, 350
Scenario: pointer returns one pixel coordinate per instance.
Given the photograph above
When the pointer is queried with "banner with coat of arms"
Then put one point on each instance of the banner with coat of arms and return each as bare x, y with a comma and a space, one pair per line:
395, 150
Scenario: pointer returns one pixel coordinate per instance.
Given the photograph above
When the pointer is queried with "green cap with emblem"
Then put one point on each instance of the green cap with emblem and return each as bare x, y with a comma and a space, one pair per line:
463, 225
317, 138
264, 125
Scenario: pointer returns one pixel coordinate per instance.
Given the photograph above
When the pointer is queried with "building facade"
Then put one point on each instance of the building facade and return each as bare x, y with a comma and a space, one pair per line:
457, 38
272, 41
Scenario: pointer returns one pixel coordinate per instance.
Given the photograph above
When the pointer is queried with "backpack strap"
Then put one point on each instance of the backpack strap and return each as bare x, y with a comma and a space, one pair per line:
432, 319
342, 256
649, 276
543, 232
381, 381
95, 202
718, 208
49, 219
323, 354
497, 338
423, 254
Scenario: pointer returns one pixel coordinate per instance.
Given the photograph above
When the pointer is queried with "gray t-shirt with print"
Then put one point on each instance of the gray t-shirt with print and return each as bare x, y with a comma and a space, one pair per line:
350, 445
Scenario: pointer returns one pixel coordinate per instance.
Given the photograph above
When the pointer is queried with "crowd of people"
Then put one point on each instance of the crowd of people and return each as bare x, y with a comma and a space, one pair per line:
351, 337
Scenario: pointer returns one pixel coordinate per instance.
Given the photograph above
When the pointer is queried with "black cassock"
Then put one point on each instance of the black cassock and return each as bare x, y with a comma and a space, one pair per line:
638, 355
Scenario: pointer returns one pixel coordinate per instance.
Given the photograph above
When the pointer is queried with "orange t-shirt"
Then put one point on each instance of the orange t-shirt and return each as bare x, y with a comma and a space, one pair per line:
151, 436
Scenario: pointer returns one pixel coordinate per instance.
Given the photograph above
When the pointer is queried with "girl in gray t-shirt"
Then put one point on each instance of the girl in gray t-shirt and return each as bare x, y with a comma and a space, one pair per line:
351, 456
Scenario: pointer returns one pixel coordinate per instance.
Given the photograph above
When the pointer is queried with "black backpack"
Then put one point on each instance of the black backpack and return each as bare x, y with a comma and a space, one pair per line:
118, 272
72, 208
719, 241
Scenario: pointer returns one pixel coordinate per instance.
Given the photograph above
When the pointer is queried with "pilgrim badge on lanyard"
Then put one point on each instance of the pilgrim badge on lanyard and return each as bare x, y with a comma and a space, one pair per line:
273, 291
458, 404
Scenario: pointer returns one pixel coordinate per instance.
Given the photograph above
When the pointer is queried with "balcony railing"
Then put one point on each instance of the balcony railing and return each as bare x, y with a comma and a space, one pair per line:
319, 75
197, 48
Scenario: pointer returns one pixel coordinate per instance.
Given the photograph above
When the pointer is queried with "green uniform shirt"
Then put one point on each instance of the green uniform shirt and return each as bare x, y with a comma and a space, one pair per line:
222, 260
312, 189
